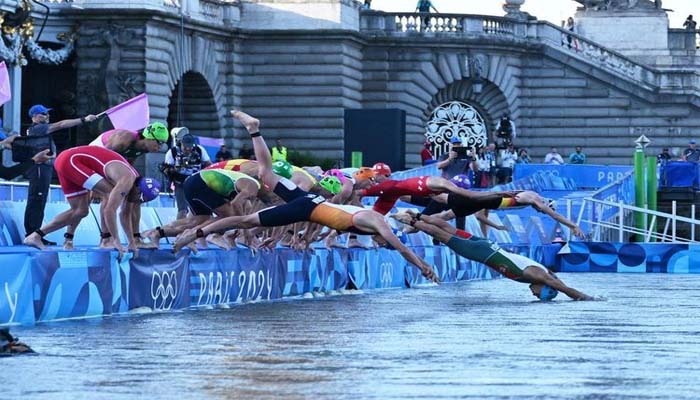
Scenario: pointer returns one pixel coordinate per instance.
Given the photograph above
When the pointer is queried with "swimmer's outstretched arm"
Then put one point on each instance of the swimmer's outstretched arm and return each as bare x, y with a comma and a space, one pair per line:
543, 208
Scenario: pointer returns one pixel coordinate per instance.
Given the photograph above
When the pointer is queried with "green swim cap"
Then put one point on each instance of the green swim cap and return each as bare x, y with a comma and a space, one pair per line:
157, 131
331, 184
282, 168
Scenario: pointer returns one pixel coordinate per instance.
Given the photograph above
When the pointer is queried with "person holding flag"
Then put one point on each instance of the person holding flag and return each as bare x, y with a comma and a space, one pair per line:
40, 175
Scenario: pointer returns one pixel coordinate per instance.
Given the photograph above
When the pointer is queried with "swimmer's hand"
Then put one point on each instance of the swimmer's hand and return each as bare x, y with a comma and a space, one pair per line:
502, 228
579, 233
429, 273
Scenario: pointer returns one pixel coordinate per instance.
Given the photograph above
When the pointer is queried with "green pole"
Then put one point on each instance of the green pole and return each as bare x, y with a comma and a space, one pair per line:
639, 190
652, 188
356, 159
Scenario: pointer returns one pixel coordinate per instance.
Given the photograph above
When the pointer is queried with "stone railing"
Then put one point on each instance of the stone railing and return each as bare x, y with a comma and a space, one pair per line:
594, 53
225, 12
683, 39
389, 24
433, 25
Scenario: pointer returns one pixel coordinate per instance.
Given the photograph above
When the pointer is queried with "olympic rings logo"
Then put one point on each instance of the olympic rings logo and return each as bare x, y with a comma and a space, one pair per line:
386, 269
163, 289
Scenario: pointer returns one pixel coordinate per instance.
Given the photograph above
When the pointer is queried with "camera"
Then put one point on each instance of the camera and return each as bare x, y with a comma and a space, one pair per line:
172, 173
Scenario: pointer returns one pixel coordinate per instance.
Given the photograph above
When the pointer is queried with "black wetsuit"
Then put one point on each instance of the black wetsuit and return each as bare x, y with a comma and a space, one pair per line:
459, 205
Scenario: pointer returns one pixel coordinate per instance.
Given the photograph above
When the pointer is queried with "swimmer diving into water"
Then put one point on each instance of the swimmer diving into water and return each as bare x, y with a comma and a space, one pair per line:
544, 284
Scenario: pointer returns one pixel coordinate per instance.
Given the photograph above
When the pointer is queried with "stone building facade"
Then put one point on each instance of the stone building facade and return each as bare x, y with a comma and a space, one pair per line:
299, 64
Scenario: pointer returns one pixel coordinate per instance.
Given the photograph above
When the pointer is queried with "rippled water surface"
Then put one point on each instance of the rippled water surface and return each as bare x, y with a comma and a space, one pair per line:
481, 340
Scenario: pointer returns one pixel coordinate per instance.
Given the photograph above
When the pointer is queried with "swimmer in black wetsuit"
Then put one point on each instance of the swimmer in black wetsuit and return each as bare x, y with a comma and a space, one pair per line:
448, 206
544, 284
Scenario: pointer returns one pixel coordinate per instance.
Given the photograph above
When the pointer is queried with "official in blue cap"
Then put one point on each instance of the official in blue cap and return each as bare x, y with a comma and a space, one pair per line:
40, 175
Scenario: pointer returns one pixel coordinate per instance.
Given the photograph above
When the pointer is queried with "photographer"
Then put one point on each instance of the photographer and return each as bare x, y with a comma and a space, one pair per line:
181, 161
454, 163
505, 132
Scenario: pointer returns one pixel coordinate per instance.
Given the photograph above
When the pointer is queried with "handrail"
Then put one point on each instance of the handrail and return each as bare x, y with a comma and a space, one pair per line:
611, 58
617, 222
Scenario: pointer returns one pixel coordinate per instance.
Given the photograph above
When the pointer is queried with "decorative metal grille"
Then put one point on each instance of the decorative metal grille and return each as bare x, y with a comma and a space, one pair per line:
455, 119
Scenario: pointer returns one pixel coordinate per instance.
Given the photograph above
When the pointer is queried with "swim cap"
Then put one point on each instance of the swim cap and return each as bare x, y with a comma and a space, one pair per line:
331, 184
461, 181
381, 169
282, 168
156, 131
363, 174
547, 293
335, 172
149, 188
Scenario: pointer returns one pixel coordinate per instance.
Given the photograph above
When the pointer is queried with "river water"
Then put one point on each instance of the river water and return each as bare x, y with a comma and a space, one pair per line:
481, 340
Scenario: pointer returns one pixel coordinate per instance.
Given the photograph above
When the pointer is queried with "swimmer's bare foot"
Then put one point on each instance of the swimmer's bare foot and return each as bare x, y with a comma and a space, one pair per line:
335, 244
287, 240
153, 237
403, 217
68, 244
107, 243
252, 125
34, 240
355, 244
219, 240
202, 243
231, 236
184, 239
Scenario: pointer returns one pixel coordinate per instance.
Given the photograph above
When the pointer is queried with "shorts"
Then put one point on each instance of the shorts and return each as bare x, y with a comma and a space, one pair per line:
80, 168
462, 206
288, 191
201, 199
298, 209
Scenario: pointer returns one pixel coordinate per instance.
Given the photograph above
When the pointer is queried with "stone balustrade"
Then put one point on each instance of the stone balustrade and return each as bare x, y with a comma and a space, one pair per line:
683, 39
446, 25
219, 12
427, 23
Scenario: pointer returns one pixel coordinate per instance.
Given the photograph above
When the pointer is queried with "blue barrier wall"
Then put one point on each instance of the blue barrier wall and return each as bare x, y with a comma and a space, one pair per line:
52, 285
585, 176
630, 257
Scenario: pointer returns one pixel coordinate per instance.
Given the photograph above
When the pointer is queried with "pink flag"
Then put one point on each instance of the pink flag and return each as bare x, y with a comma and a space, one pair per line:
5, 91
211, 142
132, 114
